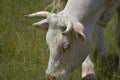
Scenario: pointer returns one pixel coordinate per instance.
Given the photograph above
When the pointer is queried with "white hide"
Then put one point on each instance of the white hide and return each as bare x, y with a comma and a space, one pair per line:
82, 16
85, 11
110, 9
88, 69
100, 45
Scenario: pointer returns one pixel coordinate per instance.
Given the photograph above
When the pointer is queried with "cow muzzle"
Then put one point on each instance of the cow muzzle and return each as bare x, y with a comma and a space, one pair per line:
51, 77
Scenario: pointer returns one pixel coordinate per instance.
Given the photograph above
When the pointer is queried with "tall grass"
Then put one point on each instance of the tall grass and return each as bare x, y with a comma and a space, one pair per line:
23, 51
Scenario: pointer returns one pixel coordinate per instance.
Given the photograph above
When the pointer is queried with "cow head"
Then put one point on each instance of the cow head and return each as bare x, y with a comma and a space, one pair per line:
63, 39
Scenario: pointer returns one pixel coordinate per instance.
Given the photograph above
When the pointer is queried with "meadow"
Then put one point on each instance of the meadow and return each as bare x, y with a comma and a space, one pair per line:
23, 51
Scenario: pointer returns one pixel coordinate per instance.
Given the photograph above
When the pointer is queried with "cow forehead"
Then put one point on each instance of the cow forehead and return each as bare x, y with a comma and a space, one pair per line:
53, 17
53, 38
56, 19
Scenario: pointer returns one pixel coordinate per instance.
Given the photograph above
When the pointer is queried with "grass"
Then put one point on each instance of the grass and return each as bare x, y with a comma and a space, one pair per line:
23, 52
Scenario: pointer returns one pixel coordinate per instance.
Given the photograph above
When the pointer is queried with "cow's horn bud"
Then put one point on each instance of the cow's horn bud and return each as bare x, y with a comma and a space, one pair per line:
69, 26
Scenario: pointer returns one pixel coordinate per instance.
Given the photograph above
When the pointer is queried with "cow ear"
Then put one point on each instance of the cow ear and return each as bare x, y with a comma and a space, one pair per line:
43, 24
79, 29
65, 44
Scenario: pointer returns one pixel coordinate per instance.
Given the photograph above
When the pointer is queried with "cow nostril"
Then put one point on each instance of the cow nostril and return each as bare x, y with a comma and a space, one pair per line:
51, 77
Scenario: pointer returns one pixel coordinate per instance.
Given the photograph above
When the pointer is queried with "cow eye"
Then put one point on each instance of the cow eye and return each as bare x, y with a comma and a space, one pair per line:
65, 44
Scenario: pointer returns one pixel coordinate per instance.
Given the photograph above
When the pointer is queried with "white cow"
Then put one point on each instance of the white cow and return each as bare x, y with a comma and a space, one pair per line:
69, 36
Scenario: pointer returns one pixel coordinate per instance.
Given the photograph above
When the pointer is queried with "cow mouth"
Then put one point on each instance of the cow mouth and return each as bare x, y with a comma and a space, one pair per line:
61, 75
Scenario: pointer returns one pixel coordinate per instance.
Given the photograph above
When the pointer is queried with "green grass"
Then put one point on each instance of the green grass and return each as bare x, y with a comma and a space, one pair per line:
23, 52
